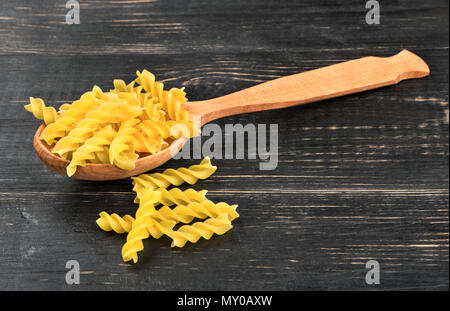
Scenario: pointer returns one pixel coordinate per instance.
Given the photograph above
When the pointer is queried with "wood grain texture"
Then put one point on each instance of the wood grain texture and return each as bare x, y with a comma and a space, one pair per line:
360, 177
350, 77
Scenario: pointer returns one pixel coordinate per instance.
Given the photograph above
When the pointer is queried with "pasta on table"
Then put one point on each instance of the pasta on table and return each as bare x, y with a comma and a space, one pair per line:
118, 127
161, 209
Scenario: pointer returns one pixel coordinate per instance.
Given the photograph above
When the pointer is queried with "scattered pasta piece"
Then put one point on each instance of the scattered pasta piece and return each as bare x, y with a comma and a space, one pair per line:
181, 213
173, 177
174, 196
200, 210
192, 233
115, 223
40, 111
153, 221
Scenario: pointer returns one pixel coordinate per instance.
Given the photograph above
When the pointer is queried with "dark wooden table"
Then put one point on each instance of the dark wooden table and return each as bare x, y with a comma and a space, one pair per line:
360, 177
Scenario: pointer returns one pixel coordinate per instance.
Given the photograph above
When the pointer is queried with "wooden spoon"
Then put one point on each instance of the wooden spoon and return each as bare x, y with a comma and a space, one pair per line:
332, 81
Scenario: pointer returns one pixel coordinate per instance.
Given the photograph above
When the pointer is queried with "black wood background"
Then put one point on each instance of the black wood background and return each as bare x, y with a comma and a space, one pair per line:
360, 177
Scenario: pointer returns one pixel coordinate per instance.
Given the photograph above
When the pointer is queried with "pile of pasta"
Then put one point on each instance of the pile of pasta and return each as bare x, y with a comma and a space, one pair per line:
116, 127
160, 210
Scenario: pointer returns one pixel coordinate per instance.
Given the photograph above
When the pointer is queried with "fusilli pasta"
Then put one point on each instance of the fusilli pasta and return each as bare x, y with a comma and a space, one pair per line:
186, 213
72, 115
88, 150
192, 233
173, 177
161, 116
40, 111
122, 150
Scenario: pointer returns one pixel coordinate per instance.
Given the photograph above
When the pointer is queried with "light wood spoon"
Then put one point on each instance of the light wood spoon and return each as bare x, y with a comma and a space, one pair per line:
311, 86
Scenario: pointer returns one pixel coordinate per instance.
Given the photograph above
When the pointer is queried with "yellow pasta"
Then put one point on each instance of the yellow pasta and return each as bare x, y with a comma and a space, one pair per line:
102, 156
186, 213
40, 111
159, 222
173, 177
108, 112
72, 115
200, 210
173, 196
147, 80
115, 223
151, 135
138, 230
171, 102
121, 87
152, 107
138, 233
63, 108
87, 151
160, 113
189, 204
122, 150
161, 196
192, 233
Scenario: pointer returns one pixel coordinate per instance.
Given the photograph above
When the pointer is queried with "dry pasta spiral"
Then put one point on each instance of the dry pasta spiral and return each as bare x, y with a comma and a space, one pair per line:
63, 108
77, 110
186, 213
201, 210
155, 222
161, 222
108, 112
176, 196
102, 156
161, 196
173, 177
115, 223
192, 233
121, 87
134, 243
151, 135
152, 107
88, 150
147, 80
140, 232
122, 150
40, 111
162, 118
173, 196
171, 102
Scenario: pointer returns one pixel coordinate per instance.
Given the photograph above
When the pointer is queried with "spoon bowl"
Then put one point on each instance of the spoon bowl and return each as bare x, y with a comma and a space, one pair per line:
93, 171
311, 86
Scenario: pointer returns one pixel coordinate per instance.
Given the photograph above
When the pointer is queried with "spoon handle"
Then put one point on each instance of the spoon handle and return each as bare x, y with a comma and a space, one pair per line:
327, 82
